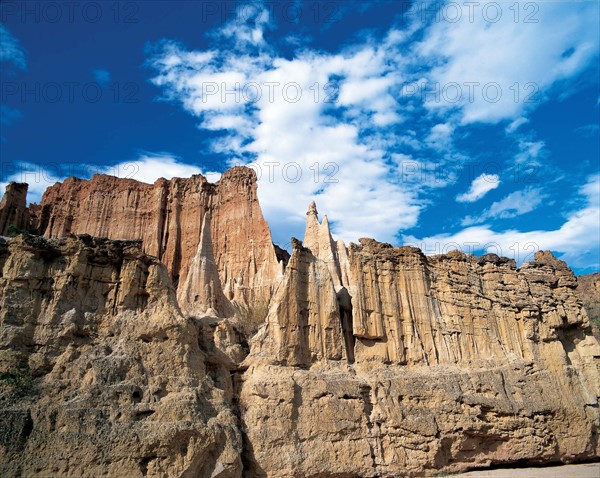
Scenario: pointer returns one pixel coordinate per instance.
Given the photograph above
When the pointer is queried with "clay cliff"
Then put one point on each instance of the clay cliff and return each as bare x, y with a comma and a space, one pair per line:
14, 216
167, 217
453, 362
373, 360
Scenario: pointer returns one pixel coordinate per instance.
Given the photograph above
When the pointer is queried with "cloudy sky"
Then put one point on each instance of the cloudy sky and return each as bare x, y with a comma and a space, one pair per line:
471, 125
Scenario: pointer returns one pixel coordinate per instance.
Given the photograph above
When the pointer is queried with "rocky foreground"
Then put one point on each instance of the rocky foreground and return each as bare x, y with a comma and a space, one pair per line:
188, 345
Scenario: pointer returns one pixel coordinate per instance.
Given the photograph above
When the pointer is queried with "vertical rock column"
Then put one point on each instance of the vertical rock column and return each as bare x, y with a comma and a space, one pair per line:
201, 292
13, 208
303, 324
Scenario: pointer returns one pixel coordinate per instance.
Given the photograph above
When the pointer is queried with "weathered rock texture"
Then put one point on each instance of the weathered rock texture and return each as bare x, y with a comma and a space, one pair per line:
101, 375
374, 361
588, 287
13, 209
201, 292
458, 362
303, 324
167, 217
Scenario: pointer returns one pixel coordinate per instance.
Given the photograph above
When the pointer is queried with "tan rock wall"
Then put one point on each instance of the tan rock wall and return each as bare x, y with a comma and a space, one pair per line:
101, 374
458, 362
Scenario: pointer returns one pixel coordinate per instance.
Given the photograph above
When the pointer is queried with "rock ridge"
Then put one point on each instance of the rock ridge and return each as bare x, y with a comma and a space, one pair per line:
167, 217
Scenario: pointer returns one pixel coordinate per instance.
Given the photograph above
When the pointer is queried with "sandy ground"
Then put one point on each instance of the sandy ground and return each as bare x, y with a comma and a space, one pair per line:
590, 470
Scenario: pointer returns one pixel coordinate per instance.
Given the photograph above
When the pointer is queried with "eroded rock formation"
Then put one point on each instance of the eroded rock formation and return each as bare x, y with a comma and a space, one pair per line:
458, 362
167, 217
588, 287
373, 361
201, 293
14, 215
101, 374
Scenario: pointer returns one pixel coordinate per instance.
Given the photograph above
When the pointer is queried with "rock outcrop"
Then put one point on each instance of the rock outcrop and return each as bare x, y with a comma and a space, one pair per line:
14, 216
454, 362
201, 293
588, 287
167, 217
303, 323
101, 375
373, 361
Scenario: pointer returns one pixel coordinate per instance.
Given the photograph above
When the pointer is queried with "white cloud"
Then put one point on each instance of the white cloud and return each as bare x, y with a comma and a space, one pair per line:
511, 63
577, 241
530, 151
314, 148
480, 186
247, 26
440, 137
513, 205
379, 114
11, 50
516, 124
148, 168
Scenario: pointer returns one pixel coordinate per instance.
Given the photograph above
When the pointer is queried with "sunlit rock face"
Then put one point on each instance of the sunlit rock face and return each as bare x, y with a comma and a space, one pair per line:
167, 217
101, 373
372, 361
452, 362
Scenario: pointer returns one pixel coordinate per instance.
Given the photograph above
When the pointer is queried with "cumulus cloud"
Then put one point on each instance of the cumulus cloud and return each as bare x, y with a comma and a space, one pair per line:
505, 66
331, 126
313, 127
480, 186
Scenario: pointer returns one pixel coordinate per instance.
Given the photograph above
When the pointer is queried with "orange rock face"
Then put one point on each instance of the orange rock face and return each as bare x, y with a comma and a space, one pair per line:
167, 216
13, 208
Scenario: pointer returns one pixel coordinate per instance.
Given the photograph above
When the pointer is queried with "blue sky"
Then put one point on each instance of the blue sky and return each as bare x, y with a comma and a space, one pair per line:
436, 124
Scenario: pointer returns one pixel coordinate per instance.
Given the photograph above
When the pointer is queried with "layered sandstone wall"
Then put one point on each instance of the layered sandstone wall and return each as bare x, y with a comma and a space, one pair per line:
374, 361
453, 362
167, 217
